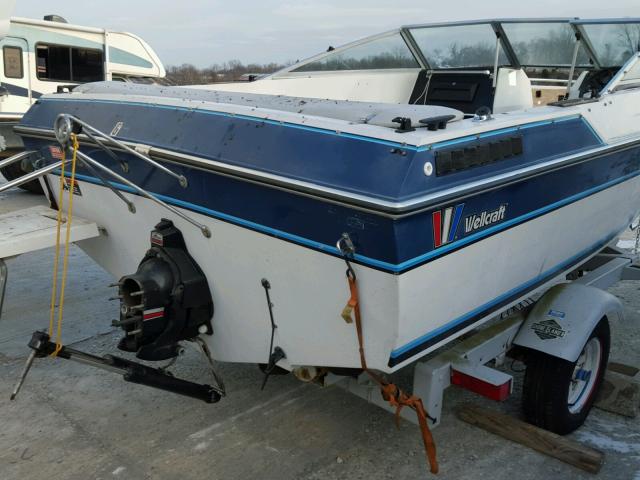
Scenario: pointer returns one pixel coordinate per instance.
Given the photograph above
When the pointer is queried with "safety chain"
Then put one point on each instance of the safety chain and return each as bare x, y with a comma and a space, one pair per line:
396, 397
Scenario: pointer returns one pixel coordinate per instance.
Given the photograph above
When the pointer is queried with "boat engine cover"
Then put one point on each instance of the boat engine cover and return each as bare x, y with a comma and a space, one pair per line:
166, 300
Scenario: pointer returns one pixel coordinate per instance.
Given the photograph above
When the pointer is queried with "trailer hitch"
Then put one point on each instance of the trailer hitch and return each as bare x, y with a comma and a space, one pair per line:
134, 372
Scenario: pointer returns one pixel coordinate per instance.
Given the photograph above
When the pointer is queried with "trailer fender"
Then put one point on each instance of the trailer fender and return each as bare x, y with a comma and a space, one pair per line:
563, 318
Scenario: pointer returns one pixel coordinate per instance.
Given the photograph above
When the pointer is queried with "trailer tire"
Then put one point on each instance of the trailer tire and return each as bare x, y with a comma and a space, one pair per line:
15, 170
558, 394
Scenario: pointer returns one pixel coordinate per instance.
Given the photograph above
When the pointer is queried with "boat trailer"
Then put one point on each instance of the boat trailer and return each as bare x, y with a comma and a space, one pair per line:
465, 363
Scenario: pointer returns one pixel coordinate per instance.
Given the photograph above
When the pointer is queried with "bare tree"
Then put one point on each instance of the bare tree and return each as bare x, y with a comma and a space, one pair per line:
230, 71
629, 39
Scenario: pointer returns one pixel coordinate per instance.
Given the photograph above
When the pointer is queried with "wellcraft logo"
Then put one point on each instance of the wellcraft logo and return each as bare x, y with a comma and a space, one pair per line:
447, 221
484, 219
445, 224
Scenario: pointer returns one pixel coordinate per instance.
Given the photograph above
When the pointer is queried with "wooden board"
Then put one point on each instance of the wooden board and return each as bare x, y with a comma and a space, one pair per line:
540, 440
624, 369
34, 228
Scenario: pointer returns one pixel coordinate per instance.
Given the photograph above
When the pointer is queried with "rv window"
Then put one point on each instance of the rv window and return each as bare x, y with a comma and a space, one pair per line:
12, 62
69, 64
53, 63
86, 65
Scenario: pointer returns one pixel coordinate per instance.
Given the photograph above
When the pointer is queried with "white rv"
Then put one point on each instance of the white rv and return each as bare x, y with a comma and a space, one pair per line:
43, 56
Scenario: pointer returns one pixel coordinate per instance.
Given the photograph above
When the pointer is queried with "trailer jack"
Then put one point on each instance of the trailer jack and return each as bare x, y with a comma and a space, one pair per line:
42, 346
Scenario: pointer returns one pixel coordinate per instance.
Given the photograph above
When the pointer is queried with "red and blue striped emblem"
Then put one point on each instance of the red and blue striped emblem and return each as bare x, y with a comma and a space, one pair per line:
445, 224
152, 314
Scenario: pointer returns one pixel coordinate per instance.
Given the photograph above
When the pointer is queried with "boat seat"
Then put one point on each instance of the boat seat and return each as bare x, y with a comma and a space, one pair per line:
513, 91
465, 91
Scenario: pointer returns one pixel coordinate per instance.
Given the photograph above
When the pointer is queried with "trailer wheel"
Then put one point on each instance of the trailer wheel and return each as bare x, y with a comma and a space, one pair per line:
15, 170
557, 394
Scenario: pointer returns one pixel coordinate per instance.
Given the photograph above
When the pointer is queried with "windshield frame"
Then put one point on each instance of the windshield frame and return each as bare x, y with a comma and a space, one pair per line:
497, 31
291, 71
576, 24
579, 25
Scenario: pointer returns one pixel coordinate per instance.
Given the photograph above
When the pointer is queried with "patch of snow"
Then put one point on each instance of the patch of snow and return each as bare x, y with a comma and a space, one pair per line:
607, 443
118, 471
202, 446
626, 244
229, 420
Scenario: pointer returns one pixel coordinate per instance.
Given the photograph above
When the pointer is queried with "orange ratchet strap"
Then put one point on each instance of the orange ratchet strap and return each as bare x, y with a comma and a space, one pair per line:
390, 392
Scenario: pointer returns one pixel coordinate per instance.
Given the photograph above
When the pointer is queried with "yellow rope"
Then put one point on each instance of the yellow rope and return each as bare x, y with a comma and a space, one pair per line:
65, 260
54, 283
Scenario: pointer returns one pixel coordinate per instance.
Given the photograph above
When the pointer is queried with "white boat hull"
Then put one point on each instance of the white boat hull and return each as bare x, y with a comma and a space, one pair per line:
309, 288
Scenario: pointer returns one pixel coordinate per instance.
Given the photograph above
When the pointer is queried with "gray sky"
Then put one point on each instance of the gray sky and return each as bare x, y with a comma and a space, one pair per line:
204, 32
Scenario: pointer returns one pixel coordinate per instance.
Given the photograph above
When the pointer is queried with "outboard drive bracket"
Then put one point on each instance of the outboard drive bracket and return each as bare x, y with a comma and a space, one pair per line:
166, 300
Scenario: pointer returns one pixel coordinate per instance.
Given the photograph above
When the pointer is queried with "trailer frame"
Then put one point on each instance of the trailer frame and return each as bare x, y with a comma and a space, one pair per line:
464, 362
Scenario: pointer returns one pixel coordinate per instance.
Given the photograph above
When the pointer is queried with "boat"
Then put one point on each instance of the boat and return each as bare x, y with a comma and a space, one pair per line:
39, 57
421, 160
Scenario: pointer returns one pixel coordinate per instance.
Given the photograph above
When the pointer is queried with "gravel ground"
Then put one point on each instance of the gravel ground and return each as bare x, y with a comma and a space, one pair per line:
74, 422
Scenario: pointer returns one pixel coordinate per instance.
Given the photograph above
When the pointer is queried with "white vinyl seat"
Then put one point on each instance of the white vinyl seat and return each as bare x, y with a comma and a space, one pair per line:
513, 91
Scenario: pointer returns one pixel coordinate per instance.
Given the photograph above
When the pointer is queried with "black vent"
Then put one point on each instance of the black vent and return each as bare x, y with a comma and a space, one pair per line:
460, 159
55, 18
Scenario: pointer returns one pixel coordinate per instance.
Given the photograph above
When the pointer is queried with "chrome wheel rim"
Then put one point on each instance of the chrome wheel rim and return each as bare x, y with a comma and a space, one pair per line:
585, 374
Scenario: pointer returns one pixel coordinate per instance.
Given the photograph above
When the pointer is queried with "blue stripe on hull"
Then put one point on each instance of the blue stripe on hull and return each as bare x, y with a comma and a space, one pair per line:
394, 245
404, 146
356, 164
362, 259
438, 335
456, 222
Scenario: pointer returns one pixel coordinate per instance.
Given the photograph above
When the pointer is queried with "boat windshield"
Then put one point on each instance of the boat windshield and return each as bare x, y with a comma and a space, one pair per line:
613, 43
535, 43
381, 53
544, 43
459, 46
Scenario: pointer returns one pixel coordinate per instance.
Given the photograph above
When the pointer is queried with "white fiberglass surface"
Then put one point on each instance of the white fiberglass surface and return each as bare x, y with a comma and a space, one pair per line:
629, 77
633, 73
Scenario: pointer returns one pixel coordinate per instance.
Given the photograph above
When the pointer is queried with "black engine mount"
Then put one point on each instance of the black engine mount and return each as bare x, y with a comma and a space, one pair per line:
167, 300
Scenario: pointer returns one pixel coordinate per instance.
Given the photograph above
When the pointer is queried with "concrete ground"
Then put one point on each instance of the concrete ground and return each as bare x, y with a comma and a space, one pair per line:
74, 422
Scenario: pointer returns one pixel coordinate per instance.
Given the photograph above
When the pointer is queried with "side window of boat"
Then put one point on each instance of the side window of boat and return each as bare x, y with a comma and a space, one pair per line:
62, 63
381, 53
12, 62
